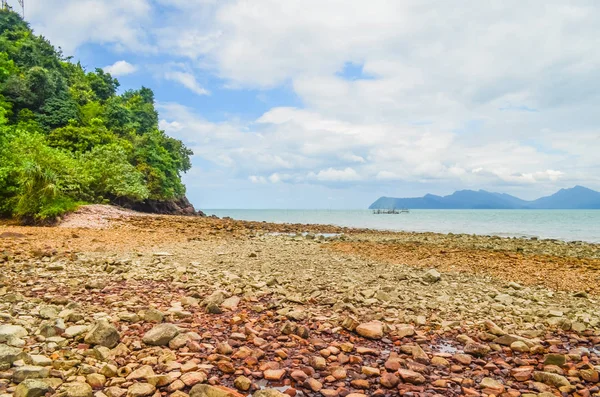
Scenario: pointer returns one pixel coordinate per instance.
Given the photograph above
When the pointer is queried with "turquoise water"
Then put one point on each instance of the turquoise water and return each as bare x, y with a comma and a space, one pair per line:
583, 225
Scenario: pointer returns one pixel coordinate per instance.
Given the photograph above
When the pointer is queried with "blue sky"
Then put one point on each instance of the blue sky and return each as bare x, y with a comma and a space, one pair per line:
324, 104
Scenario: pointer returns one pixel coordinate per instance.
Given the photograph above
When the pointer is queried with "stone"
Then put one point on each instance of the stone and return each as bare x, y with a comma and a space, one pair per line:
317, 362
402, 332
431, 276
269, 393
193, 378
371, 330
75, 330
32, 388
115, 391
104, 334
274, 374
216, 391
242, 383
519, 346
96, 381
494, 329
179, 341
299, 376
40, 360
8, 332
231, 303
491, 386
140, 390
78, 389
215, 299
8, 355
411, 376
551, 379
153, 316
30, 372
589, 375
389, 380
370, 371
477, 349
109, 370
143, 372
161, 335
555, 359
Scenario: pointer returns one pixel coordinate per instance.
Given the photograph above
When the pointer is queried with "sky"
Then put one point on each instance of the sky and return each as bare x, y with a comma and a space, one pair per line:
333, 103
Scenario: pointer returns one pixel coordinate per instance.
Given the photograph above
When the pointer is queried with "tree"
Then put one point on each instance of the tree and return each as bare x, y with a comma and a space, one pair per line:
103, 85
66, 136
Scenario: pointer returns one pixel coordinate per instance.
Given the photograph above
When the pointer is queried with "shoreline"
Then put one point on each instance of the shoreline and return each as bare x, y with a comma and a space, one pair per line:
366, 312
365, 218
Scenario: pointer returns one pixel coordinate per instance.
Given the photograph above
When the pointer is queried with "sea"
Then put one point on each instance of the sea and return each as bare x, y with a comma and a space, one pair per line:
567, 225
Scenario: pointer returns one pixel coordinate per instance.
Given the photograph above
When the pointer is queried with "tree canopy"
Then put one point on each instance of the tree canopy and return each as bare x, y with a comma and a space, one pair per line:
67, 136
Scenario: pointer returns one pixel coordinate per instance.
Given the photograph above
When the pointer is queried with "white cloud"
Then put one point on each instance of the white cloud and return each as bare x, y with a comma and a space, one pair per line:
257, 179
188, 80
506, 101
120, 68
72, 23
333, 175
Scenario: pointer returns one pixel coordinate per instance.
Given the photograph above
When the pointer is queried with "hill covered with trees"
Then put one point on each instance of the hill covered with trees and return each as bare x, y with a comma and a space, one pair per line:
67, 137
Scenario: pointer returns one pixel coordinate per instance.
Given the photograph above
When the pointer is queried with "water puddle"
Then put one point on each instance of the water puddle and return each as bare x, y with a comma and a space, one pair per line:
446, 347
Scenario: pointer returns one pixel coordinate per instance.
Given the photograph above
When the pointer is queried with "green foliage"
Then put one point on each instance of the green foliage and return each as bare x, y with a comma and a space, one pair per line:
108, 170
67, 137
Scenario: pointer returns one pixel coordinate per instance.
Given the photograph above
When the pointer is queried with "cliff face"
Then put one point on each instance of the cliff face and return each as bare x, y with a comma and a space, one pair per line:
180, 206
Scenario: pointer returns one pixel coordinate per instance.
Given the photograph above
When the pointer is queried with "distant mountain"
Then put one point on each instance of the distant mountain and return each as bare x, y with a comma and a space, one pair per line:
578, 197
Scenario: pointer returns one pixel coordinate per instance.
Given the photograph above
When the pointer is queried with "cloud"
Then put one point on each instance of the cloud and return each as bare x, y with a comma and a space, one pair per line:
120, 68
112, 22
507, 101
333, 175
297, 146
186, 79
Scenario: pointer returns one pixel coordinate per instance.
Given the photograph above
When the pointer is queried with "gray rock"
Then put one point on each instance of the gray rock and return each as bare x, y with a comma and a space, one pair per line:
75, 330
8, 355
30, 372
32, 388
9, 332
104, 334
160, 335
431, 276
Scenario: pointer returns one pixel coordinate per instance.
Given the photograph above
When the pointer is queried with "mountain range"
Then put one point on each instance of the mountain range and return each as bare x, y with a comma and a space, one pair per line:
578, 197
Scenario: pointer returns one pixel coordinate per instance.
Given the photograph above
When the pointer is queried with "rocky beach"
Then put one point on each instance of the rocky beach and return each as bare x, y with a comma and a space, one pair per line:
116, 304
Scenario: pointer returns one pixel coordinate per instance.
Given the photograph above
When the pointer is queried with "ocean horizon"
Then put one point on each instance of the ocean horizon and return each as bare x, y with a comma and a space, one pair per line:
566, 225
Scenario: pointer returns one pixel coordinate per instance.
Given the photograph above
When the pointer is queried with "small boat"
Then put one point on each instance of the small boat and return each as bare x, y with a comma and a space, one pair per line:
391, 211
